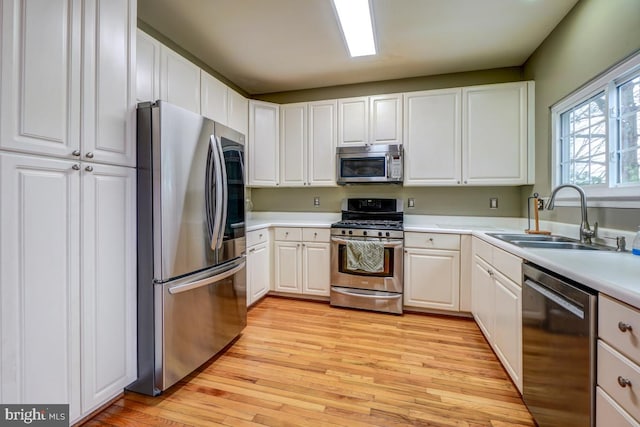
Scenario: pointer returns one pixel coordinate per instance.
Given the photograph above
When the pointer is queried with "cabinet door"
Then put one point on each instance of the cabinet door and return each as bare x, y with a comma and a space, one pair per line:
39, 281
507, 332
316, 267
108, 98
40, 77
108, 283
288, 262
323, 133
293, 145
213, 98
353, 121
263, 144
237, 111
385, 119
147, 68
179, 80
494, 134
432, 279
483, 296
258, 272
432, 137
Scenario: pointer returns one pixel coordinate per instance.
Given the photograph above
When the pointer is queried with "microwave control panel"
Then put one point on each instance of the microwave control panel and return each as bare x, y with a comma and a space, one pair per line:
396, 167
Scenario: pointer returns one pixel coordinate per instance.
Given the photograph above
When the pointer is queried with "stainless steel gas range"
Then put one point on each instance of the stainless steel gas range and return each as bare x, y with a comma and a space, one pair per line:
367, 255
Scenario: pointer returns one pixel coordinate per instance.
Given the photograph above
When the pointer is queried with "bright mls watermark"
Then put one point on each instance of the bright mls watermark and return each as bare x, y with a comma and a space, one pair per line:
34, 415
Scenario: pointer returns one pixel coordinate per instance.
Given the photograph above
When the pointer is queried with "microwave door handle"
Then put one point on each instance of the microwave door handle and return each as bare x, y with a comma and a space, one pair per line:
225, 193
217, 215
387, 162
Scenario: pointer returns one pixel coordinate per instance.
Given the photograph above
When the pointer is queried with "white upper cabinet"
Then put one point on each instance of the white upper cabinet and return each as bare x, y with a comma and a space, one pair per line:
308, 144
432, 137
40, 86
238, 112
293, 144
147, 68
213, 98
385, 122
497, 129
321, 151
370, 120
66, 68
108, 101
478, 135
263, 144
179, 80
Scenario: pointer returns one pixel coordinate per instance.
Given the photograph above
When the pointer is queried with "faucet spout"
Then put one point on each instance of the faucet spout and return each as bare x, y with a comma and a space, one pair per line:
585, 230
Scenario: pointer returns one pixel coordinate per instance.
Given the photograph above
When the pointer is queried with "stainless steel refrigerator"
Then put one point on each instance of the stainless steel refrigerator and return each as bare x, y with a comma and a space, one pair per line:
191, 243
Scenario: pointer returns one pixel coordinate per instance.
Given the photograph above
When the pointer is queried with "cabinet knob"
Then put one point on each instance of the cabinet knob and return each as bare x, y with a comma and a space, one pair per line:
75, 153
490, 272
624, 327
89, 168
260, 236
465, 181
252, 250
458, 181
75, 167
623, 382
89, 155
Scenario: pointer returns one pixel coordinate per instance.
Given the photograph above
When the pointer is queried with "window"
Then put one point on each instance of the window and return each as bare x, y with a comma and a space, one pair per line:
596, 138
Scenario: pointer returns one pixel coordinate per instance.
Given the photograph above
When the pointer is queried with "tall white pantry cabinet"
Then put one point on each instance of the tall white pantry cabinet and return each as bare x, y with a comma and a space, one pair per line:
67, 202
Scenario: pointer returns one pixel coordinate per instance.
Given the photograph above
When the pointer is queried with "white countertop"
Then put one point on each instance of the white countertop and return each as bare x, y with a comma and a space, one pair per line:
613, 273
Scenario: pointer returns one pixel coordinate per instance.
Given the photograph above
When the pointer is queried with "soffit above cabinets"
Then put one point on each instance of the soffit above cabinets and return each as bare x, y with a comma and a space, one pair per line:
266, 46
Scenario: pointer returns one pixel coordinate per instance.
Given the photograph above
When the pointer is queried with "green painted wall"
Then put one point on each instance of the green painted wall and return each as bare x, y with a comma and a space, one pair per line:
593, 37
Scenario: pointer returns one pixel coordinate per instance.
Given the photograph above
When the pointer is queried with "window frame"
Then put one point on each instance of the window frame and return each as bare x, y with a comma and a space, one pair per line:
611, 195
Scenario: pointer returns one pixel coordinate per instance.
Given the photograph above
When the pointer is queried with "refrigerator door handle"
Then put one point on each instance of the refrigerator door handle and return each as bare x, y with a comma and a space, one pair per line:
217, 215
205, 282
225, 193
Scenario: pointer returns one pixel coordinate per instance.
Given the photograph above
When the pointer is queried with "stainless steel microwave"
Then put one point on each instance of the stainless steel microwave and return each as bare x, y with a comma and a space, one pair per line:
375, 163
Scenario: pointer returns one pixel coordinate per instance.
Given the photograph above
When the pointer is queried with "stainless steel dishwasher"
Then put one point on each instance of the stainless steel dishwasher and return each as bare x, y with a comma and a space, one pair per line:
558, 345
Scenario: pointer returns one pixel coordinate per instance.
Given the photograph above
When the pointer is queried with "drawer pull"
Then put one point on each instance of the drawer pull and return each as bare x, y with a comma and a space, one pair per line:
623, 382
624, 327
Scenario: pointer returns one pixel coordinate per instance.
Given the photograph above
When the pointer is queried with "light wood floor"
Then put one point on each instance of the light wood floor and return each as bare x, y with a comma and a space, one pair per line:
301, 363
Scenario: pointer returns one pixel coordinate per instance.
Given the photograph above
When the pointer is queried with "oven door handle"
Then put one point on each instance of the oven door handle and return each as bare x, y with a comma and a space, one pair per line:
387, 243
360, 295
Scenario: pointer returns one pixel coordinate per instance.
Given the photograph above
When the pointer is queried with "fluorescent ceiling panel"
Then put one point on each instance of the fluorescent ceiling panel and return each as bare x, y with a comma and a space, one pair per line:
355, 20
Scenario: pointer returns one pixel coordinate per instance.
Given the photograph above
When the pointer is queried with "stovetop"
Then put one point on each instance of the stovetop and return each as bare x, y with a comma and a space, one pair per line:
370, 218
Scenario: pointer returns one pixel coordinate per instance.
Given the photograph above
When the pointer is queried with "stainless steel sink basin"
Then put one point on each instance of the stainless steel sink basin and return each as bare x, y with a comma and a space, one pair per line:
542, 241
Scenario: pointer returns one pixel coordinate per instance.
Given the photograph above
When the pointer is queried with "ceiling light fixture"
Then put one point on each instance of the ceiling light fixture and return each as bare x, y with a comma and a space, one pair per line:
356, 23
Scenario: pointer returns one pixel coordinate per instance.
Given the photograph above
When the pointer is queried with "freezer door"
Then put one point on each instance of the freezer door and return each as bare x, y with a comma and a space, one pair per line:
198, 318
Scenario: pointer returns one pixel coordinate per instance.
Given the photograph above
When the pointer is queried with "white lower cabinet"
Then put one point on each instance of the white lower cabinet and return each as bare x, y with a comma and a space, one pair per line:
302, 261
258, 265
432, 271
67, 282
618, 368
496, 299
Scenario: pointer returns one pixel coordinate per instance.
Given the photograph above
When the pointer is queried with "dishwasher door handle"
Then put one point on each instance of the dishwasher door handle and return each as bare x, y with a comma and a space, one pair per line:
562, 302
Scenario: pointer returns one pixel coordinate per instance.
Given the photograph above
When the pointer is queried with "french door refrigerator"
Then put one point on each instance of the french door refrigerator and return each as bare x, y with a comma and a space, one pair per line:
191, 243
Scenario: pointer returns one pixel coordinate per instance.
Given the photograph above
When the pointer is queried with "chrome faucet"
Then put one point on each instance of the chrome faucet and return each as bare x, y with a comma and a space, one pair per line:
585, 231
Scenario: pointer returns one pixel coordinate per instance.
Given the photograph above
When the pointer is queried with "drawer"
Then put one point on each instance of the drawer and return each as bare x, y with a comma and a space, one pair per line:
609, 413
316, 234
289, 233
431, 240
613, 367
257, 236
482, 249
508, 264
613, 315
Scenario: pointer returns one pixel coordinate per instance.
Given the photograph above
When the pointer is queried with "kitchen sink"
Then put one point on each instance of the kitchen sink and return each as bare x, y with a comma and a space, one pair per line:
542, 241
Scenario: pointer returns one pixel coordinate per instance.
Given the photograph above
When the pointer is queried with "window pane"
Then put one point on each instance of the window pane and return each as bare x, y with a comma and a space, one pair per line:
628, 129
584, 142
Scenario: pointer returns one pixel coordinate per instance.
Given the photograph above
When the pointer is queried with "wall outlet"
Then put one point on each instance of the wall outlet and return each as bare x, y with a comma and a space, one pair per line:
316, 201
411, 203
493, 203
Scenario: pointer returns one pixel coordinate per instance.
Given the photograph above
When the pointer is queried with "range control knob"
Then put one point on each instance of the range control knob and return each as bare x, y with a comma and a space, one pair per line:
350, 232
344, 232
387, 234
380, 233
364, 233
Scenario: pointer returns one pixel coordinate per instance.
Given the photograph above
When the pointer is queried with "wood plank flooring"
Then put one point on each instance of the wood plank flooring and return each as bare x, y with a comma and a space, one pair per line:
302, 363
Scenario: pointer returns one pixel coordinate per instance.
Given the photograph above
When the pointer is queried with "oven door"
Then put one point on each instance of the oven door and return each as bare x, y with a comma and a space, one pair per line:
390, 279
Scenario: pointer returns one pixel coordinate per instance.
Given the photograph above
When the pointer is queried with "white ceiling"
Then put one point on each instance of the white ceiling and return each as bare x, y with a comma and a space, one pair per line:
278, 45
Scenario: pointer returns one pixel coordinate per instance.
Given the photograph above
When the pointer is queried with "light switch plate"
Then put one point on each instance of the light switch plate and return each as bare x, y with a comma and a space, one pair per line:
316, 201
411, 203
493, 203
